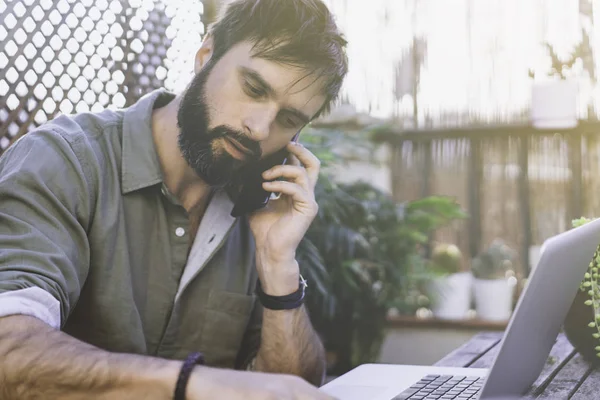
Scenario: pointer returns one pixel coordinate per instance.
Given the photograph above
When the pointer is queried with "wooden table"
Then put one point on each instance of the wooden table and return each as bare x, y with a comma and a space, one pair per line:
565, 376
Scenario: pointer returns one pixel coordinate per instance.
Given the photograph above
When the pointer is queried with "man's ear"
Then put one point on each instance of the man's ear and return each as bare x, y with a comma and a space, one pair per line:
204, 53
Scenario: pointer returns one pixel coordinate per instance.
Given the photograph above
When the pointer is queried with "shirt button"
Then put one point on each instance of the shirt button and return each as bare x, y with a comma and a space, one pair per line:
180, 232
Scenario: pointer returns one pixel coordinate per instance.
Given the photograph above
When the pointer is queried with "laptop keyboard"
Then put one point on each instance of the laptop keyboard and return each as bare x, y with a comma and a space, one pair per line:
443, 387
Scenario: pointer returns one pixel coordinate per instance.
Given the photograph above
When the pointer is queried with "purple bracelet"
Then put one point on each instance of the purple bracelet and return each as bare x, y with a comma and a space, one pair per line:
184, 375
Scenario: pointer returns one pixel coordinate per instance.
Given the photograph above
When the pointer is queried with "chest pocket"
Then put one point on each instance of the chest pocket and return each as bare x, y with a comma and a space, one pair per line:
226, 318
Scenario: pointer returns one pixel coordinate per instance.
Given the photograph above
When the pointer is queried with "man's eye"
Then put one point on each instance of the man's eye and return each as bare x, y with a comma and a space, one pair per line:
288, 122
253, 91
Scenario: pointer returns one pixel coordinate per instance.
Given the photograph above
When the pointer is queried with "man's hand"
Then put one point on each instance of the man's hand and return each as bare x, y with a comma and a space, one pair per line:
280, 226
213, 383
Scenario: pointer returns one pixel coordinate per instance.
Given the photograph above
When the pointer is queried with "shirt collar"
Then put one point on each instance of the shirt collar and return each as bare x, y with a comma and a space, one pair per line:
140, 164
140, 167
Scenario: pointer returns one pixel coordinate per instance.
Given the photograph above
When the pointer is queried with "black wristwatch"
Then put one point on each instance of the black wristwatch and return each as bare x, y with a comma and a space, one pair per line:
288, 302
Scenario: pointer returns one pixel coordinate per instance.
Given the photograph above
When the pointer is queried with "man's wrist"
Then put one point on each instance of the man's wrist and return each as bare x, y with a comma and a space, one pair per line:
160, 376
287, 302
188, 366
202, 383
278, 278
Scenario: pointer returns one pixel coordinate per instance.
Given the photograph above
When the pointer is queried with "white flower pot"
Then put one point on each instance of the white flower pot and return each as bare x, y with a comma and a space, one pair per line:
493, 298
554, 104
451, 295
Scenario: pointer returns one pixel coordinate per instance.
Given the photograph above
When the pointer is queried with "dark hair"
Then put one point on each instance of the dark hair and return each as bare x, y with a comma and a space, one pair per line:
300, 33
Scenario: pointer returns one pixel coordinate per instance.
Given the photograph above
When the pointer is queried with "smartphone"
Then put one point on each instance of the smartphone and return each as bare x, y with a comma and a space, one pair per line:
252, 196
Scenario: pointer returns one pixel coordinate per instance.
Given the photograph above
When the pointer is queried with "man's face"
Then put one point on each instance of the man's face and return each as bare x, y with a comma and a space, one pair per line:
241, 108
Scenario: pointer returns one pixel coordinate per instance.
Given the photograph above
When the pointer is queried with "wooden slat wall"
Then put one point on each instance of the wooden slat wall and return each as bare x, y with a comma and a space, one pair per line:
450, 176
518, 184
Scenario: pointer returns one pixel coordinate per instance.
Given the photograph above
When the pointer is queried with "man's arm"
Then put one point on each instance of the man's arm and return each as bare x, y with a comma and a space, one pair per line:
45, 204
39, 362
290, 345
46, 201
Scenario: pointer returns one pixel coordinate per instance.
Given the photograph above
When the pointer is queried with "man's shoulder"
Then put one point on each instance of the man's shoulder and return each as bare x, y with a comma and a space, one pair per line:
88, 127
86, 134
82, 141
94, 137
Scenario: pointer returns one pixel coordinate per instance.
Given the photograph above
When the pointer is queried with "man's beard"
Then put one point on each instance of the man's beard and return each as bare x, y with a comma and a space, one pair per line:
196, 140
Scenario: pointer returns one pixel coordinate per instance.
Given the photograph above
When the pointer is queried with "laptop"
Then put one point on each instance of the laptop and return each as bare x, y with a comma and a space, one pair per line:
524, 349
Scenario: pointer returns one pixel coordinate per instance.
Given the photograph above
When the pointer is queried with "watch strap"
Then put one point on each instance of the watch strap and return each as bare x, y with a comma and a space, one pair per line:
287, 302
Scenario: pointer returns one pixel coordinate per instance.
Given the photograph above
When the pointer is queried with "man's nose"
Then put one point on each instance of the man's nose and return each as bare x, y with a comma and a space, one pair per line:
258, 123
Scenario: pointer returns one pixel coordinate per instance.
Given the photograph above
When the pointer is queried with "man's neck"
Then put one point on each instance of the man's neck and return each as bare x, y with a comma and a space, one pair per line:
180, 179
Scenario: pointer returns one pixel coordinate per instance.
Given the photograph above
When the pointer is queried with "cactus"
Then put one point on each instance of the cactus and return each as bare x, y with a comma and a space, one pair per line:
446, 259
494, 262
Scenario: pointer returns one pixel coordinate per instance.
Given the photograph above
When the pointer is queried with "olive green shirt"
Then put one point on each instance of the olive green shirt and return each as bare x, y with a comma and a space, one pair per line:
86, 219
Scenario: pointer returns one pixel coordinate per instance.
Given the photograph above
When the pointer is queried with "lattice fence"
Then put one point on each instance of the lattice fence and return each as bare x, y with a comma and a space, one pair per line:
72, 56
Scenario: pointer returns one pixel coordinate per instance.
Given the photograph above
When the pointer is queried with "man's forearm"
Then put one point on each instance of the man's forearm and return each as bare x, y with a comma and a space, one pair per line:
290, 345
38, 362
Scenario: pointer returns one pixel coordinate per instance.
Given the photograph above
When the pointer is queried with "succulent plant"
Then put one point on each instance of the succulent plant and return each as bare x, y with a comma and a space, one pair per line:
494, 262
446, 259
591, 286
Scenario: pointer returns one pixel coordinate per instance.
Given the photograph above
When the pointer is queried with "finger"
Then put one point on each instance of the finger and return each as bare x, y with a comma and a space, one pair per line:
308, 159
292, 173
293, 160
293, 190
302, 201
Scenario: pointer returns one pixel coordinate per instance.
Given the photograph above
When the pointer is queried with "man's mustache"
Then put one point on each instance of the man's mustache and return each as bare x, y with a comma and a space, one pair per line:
241, 138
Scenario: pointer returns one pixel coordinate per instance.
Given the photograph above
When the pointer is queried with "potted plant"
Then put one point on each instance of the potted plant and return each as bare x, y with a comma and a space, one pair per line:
492, 288
582, 324
554, 97
363, 255
449, 290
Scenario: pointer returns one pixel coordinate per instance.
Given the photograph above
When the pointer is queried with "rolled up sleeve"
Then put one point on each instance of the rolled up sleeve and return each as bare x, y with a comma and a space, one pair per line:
44, 216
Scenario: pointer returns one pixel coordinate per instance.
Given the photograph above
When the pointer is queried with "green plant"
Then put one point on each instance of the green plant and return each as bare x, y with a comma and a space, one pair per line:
446, 259
591, 286
364, 255
563, 68
494, 262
